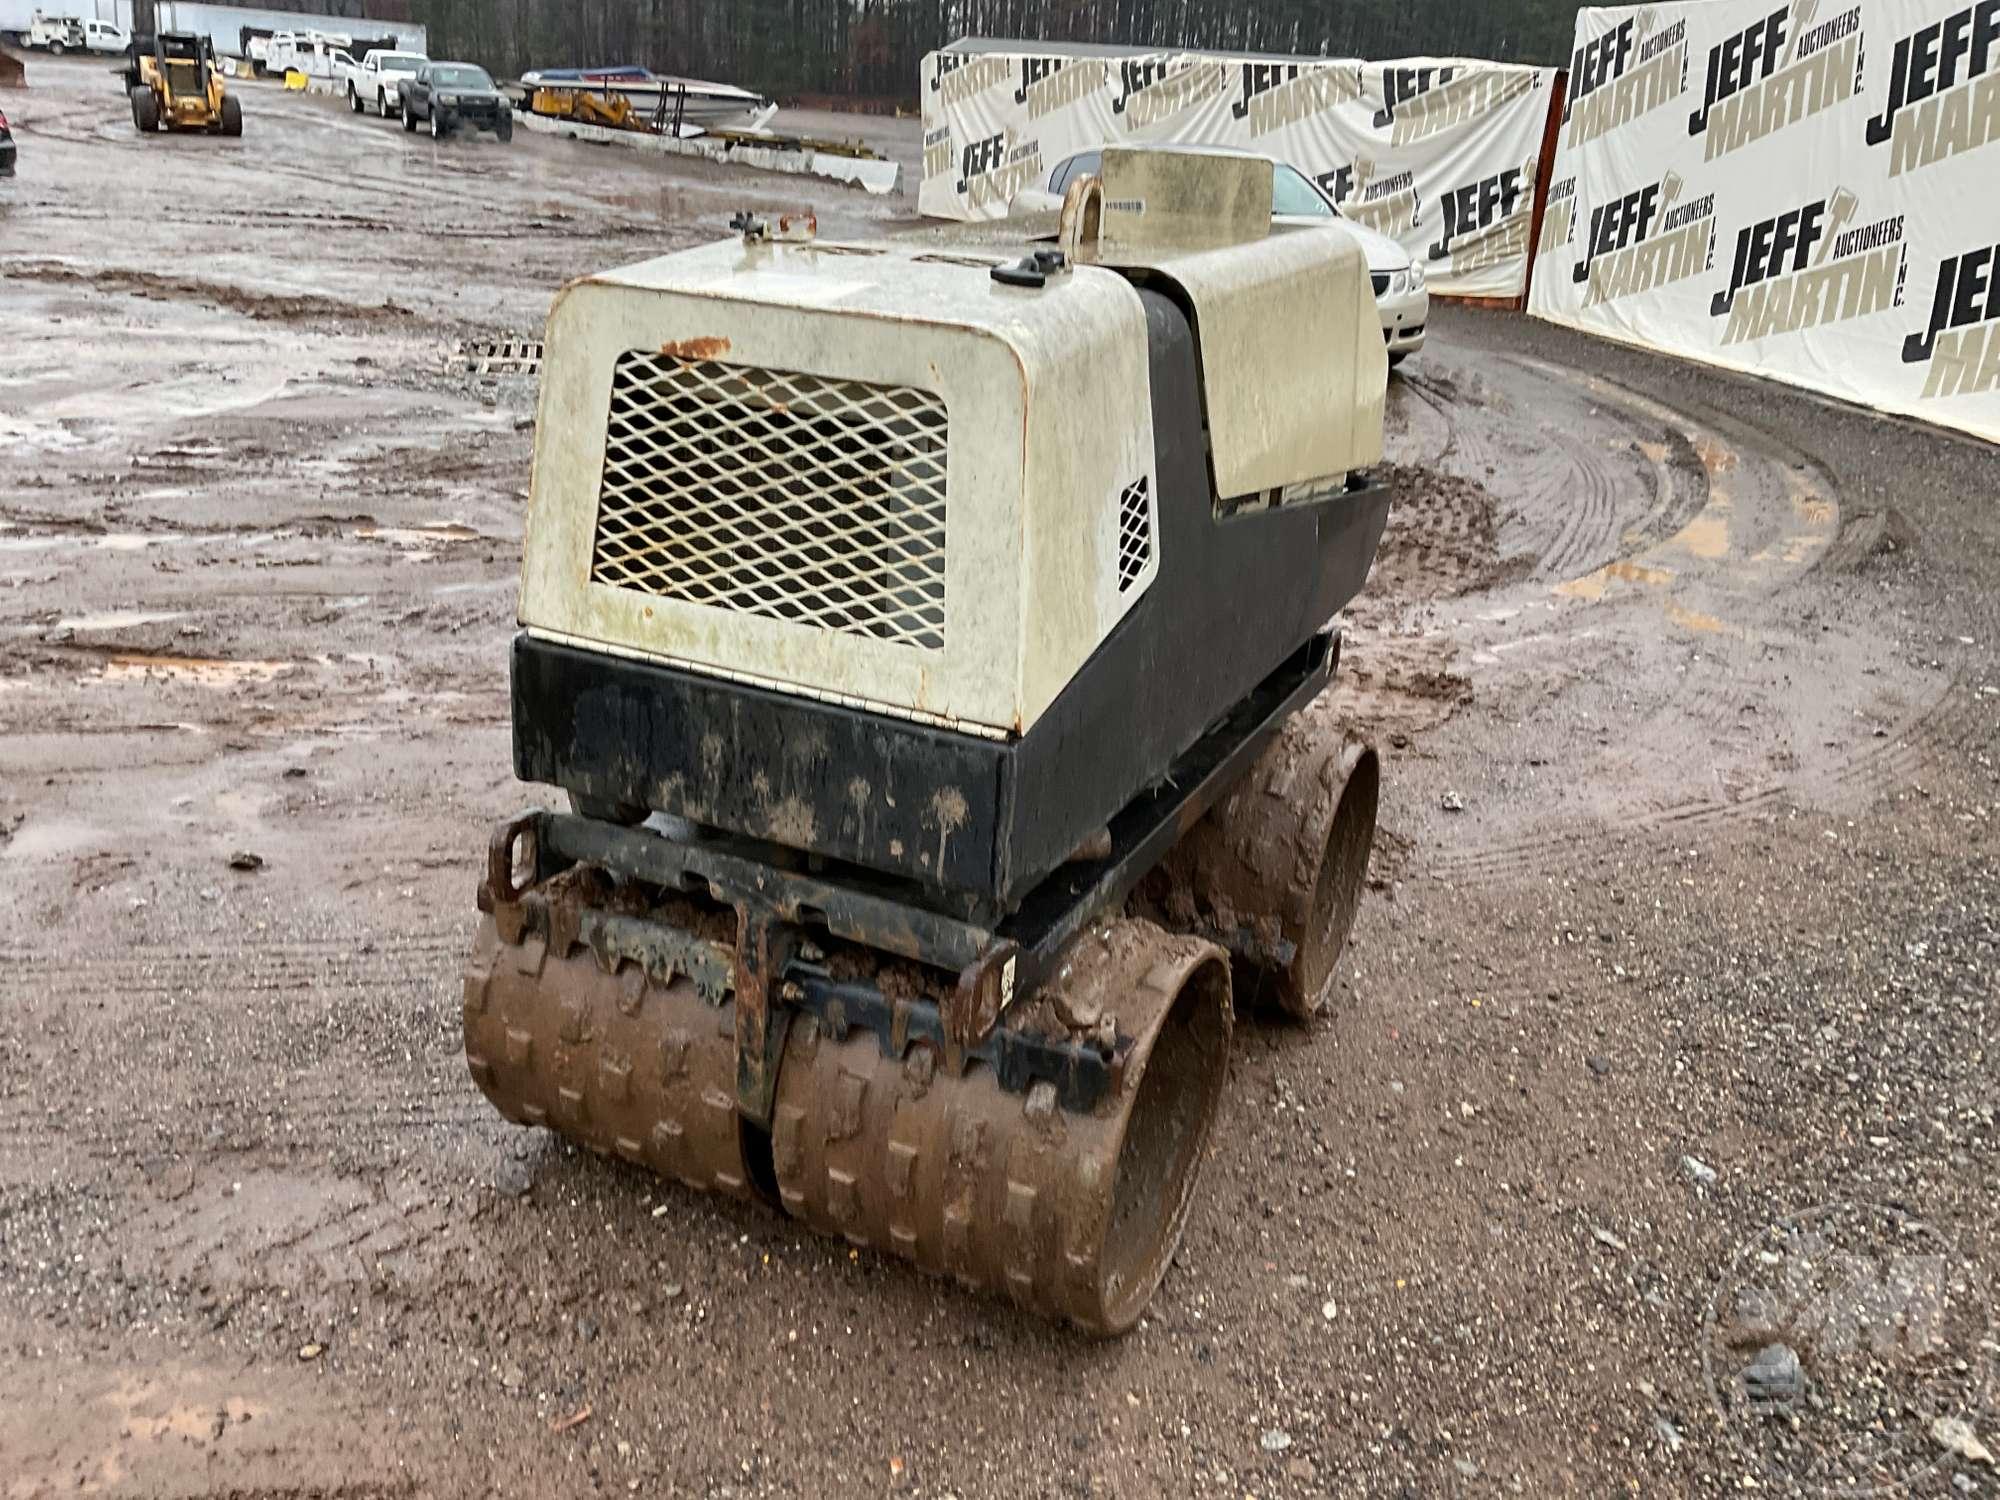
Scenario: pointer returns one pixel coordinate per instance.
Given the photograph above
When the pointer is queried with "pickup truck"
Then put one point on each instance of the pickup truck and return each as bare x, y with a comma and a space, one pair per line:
104, 36
378, 80
299, 51
449, 94
60, 34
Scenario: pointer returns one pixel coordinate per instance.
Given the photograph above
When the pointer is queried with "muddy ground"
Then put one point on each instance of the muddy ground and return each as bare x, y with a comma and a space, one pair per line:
1687, 694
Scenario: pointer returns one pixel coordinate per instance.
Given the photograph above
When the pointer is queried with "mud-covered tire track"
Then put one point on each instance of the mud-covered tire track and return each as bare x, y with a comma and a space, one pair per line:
1587, 476
1697, 494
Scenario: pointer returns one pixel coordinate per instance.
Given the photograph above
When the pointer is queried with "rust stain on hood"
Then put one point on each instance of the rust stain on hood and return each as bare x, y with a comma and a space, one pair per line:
701, 348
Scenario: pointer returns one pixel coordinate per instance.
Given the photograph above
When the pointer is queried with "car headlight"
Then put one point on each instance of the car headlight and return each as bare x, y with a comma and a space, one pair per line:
447, 98
1416, 277
1400, 282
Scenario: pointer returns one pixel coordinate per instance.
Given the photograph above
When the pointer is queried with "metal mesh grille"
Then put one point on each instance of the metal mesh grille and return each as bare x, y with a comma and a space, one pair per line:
764, 492
184, 79
1135, 534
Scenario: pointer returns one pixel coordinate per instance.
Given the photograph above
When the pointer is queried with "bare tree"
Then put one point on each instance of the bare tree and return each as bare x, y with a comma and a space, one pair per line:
870, 49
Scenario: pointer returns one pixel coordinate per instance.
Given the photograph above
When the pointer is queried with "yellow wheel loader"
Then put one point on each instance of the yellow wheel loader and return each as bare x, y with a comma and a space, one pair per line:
171, 80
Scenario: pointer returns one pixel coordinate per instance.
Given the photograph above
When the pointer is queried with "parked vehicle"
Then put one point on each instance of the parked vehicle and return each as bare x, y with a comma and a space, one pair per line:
449, 94
55, 34
60, 34
296, 49
378, 80
1400, 295
6, 147
322, 60
105, 36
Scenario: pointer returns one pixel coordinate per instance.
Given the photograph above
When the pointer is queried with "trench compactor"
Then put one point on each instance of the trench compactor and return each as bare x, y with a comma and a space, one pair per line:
917, 632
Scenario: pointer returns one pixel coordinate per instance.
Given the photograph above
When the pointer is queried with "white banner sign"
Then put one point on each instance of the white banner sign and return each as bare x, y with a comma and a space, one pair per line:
1440, 154
1808, 191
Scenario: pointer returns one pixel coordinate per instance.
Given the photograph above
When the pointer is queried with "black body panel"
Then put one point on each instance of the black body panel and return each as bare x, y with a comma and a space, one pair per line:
900, 797
481, 109
1234, 597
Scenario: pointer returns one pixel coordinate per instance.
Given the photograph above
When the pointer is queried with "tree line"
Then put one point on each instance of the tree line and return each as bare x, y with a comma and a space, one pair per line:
870, 49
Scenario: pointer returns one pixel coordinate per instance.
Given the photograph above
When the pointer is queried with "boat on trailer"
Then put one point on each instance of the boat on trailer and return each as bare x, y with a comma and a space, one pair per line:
691, 101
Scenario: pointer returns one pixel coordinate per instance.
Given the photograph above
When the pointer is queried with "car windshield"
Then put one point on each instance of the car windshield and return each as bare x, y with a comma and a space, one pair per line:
1293, 197
461, 78
1083, 164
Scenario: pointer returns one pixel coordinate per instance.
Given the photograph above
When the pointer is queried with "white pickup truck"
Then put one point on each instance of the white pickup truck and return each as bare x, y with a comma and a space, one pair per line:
300, 51
377, 79
60, 34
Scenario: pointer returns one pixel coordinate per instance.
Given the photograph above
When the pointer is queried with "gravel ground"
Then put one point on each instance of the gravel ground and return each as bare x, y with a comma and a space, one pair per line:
1682, 922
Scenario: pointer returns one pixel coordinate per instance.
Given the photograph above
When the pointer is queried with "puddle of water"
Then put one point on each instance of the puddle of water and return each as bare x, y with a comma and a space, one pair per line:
1707, 535
1716, 456
114, 541
1819, 516
1694, 619
1593, 585
18, 433
120, 619
368, 661
418, 536
138, 541
133, 666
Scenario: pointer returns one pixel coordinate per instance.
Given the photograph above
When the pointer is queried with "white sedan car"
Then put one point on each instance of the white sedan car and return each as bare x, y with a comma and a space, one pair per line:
1400, 295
